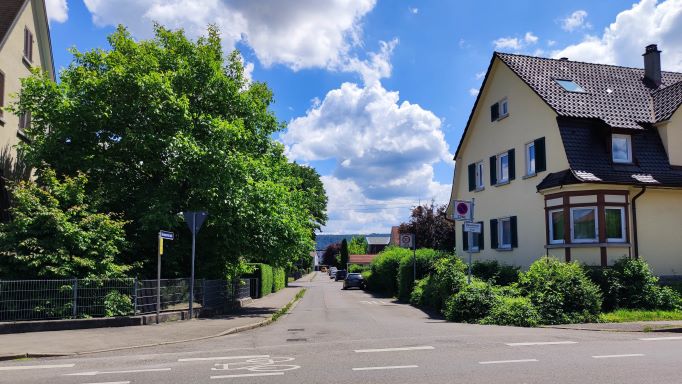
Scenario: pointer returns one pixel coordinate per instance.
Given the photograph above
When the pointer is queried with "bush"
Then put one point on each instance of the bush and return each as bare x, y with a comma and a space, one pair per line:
425, 258
418, 293
472, 303
495, 272
117, 304
384, 269
370, 284
448, 278
265, 278
516, 311
279, 279
560, 291
356, 268
631, 284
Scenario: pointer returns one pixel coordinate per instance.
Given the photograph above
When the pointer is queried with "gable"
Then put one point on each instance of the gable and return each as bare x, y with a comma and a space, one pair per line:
9, 9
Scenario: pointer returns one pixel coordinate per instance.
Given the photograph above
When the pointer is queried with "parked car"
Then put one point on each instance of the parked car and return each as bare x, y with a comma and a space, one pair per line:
354, 280
340, 274
332, 272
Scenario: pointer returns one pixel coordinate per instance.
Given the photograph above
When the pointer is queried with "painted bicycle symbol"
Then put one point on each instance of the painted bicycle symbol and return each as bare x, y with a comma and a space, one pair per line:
259, 364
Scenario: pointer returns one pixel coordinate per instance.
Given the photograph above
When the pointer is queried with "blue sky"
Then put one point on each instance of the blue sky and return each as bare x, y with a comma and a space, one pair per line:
376, 94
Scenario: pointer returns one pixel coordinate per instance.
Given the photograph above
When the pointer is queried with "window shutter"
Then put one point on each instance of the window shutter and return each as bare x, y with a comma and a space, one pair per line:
493, 234
493, 170
480, 236
26, 43
472, 177
494, 112
30, 46
465, 239
540, 157
2, 92
512, 164
514, 235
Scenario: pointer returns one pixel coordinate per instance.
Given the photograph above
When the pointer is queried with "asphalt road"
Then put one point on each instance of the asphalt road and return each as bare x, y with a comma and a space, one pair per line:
335, 336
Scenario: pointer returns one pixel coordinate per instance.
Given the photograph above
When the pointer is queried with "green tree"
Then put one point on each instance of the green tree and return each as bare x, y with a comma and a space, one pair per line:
168, 125
431, 227
56, 232
344, 254
357, 245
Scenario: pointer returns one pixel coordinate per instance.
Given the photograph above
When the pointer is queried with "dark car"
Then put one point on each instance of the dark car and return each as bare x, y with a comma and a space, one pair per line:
354, 280
340, 275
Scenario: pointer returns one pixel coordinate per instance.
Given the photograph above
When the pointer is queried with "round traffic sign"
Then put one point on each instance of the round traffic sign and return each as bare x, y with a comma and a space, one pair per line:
462, 208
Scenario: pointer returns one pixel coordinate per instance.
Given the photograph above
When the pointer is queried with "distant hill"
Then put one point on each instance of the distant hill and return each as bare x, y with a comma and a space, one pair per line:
324, 240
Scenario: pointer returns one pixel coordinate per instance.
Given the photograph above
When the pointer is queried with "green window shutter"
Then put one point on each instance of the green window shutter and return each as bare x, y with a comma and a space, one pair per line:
480, 236
514, 234
493, 234
540, 157
512, 164
493, 170
465, 239
472, 177
494, 112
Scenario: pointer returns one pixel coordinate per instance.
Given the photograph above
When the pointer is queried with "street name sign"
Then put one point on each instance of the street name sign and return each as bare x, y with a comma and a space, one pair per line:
166, 235
472, 227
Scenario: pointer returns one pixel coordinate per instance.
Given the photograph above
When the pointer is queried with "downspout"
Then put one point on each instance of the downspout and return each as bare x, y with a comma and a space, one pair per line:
634, 220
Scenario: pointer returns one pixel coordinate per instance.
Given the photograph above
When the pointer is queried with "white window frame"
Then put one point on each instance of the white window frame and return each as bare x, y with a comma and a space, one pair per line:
498, 160
479, 175
628, 140
552, 240
500, 234
503, 104
596, 226
622, 225
530, 172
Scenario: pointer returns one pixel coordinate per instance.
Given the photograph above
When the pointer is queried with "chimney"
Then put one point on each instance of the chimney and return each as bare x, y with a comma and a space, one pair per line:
652, 66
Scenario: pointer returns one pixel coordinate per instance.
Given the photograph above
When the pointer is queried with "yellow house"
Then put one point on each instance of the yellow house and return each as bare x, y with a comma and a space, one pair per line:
577, 160
24, 44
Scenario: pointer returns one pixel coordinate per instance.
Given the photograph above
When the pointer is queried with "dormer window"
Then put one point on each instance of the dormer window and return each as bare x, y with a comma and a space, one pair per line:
621, 148
570, 85
499, 110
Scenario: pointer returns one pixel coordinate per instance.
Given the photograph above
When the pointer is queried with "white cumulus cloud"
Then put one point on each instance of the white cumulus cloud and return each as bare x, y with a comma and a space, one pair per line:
57, 10
530, 38
623, 41
507, 43
376, 67
575, 20
473, 91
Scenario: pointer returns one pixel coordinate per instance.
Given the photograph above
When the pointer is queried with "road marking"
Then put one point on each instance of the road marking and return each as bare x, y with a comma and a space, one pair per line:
615, 356
93, 373
542, 343
248, 375
112, 382
661, 338
508, 361
389, 367
24, 367
373, 302
223, 358
394, 349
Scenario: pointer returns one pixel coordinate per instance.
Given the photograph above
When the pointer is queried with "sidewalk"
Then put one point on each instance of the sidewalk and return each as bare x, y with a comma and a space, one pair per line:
58, 343
635, 326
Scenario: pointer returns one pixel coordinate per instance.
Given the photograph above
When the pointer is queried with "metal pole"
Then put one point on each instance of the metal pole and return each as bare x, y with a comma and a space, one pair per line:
158, 282
191, 281
471, 239
135, 297
75, 298
414, 260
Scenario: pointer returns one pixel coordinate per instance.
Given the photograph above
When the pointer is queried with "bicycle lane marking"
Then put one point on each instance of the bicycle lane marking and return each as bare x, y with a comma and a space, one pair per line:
248, 366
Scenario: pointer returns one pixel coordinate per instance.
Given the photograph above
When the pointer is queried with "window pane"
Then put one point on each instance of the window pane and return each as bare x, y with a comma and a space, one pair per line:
614, 223
620, 149
474, 243
505, 233
479, 175
584, 224
557, 226
504, 168
531, 159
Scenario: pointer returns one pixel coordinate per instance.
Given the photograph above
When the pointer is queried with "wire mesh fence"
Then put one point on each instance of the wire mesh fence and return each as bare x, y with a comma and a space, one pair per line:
83, 298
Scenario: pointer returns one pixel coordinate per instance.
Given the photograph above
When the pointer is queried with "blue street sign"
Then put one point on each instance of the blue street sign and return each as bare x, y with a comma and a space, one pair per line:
166, 235
194, 220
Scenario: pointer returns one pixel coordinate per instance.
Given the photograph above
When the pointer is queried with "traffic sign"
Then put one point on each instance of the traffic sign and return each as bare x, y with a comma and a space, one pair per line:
462, 210
194, 220
472, 227
407, 240
166, 235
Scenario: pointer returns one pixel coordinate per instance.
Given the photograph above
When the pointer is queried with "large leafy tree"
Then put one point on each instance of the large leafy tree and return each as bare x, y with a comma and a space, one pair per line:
357, 245
432, 228
168, 125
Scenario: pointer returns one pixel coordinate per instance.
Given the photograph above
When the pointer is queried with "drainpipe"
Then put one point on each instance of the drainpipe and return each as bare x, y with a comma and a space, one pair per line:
634, 220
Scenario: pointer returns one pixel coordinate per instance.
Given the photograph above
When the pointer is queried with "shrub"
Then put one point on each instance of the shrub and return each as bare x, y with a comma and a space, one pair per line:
384, 269
279, 279
449, 277
495, 272
117, 304
560, 291
472, 303
631, 284
265, 278
424, 263
516, 311
356, 268
370, 284
417, 296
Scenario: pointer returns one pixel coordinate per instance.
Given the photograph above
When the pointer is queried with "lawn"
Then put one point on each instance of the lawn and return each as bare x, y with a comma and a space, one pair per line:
626, 315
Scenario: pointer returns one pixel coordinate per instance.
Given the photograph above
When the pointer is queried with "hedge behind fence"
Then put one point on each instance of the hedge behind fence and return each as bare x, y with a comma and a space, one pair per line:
279, 279
265, 278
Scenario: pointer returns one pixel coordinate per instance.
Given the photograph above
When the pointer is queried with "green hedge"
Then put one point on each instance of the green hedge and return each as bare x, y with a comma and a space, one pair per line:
473, 303
279, 279
384, 270
425, 259
494, 272
264, 274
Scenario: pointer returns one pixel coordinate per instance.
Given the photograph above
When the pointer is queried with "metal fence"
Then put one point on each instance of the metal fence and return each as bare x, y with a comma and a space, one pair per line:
83, 298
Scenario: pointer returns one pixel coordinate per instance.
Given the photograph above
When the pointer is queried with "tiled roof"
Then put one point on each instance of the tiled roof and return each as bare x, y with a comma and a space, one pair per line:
378, 240
558, 179
616, 95
9, 9
361, 259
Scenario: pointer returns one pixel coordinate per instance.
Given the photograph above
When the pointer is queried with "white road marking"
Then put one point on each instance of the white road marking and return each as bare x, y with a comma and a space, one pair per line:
616, 356
24, 367
248, 375
93, 373
661, 338
508, 361
389, 367
394, 349
223, 358
112, 382
542, 343
373, 302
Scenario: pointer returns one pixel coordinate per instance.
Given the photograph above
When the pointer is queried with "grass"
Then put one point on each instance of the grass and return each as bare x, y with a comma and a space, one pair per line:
291, 279
286, 308
627, 315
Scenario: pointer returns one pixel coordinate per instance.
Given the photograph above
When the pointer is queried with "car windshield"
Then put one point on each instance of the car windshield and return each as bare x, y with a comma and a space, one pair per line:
354, 276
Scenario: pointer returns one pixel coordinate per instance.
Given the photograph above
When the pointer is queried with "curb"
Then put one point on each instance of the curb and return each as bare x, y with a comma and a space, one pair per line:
292, 303
645, 329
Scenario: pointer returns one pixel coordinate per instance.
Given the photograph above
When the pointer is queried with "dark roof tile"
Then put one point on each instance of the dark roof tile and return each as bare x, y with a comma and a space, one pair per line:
9, 9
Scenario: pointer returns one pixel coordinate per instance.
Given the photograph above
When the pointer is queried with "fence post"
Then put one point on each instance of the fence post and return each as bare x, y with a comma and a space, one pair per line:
135, 297
203, 293
75, 298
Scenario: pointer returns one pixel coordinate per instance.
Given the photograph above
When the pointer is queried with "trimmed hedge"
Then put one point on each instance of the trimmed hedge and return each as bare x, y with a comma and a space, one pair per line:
496, 273
265, 278
384, 270
516, 311
472, 303
279, 279
424, 260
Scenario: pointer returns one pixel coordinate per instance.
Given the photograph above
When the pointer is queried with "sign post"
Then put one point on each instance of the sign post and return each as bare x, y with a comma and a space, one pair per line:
407, 240
194, 220
168, 236
464, 211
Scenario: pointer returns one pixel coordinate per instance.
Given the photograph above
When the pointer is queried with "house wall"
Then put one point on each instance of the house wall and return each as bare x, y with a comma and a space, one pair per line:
671, 135
660, 229
529, 118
